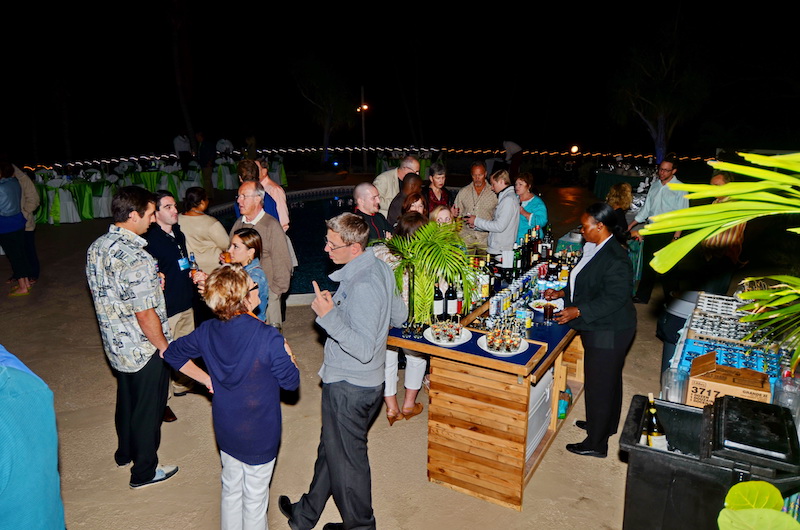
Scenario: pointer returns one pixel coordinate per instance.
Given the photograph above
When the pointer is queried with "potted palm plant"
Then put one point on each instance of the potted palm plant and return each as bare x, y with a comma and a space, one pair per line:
435, 251
774, 190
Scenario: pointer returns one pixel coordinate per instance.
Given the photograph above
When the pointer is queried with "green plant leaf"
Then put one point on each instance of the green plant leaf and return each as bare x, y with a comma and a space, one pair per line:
755, 519
754, 494
667, 257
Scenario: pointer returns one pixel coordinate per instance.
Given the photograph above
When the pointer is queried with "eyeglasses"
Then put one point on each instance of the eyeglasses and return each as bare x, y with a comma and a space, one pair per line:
254, 288
411, 169
330, 245
251, 196
665, 170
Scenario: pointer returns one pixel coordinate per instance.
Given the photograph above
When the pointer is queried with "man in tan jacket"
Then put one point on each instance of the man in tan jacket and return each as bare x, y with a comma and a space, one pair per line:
29, 204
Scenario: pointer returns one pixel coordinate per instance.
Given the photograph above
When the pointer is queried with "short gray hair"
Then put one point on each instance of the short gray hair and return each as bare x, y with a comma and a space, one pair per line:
351, 228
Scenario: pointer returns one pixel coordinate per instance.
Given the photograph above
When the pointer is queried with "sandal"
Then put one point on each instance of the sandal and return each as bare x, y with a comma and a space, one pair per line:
393, 416
413, 412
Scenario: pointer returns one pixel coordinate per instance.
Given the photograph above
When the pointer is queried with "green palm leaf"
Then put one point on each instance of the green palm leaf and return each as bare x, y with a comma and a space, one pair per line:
776, 191
434, 251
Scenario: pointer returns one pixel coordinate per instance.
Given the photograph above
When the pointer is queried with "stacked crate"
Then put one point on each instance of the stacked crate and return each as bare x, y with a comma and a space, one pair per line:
715, 325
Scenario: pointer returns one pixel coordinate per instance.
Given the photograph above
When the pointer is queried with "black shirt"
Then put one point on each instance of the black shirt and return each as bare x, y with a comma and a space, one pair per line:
167, 250
378, 225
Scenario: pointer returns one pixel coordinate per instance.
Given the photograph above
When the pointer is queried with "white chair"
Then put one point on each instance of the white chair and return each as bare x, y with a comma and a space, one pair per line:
192, 179
230, 181
68, 212
101, 206
93, 175
43, 175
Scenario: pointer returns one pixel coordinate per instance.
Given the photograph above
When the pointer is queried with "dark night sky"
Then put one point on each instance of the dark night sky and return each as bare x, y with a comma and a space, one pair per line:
538, 77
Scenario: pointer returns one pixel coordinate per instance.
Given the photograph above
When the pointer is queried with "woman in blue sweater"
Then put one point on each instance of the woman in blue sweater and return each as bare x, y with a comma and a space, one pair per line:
248, 363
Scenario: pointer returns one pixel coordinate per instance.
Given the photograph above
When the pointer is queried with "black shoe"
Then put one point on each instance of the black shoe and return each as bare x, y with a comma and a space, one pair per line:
169, 416
162, 473
580, 449
285, 506
581, 424
640, 300
333, 526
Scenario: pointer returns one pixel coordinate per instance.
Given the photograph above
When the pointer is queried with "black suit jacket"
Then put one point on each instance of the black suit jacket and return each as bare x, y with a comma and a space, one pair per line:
603, 291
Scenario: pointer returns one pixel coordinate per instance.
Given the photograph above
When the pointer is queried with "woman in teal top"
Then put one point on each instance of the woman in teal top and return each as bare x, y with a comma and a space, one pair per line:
532, 210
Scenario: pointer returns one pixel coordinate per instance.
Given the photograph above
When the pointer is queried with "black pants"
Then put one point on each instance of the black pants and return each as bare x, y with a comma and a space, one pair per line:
604, 358
13, 244
141, 398
342, 466
30, 252
669, 282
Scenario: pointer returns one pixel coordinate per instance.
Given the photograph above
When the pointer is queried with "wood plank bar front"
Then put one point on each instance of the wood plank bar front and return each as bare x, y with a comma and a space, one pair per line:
479, 411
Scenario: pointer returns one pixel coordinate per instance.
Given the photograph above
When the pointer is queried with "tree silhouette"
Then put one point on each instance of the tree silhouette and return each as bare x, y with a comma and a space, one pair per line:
332, 103
661, 86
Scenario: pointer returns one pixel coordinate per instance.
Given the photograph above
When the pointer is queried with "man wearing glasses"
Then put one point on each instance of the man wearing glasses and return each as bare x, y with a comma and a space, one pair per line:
660, 199
275, 258
389, 182
356, 319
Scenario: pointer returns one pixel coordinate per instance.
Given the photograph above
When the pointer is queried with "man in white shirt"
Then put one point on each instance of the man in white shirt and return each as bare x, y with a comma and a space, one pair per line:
660, 199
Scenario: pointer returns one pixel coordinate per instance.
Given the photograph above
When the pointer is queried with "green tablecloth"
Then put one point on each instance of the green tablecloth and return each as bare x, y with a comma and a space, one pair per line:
82, 193
634, 253
151, 180
44, 204
604, 181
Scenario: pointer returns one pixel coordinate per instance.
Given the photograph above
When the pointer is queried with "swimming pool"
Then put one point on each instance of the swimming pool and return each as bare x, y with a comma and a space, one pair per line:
308, 211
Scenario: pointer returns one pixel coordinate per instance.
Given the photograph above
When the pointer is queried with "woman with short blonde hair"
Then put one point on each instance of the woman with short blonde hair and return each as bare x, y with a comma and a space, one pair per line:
248, 364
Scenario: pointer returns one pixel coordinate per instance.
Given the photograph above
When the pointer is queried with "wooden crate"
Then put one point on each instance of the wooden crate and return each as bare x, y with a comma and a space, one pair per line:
477, 427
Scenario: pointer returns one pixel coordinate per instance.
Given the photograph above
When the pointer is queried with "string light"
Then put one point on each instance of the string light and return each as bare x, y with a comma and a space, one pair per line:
373, 149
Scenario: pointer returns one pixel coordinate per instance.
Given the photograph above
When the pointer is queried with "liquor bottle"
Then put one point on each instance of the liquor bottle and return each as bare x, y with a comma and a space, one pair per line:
525, 248
563, 276
193, 268
483, 280
459, 299
451, 301
438, 304
517, 261
653, 433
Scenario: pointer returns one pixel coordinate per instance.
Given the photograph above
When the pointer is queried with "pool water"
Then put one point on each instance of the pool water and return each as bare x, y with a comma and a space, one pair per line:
307, 232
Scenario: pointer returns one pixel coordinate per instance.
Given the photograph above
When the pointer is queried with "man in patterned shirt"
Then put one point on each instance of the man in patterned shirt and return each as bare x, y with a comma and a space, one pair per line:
132, 316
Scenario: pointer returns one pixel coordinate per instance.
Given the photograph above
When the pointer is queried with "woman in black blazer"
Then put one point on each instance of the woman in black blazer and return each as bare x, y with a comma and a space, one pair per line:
598, 304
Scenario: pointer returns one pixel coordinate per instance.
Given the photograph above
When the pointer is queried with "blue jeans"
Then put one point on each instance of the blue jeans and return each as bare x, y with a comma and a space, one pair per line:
342, 466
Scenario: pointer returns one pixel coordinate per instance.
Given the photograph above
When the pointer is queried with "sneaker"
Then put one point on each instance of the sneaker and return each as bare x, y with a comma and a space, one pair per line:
162, 474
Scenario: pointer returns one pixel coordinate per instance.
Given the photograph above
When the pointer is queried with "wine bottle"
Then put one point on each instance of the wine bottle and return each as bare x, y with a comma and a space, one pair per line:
438, 303
451, 302
653, 431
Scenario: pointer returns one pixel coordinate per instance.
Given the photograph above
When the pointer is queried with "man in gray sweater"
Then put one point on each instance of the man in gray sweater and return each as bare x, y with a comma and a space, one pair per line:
357, 319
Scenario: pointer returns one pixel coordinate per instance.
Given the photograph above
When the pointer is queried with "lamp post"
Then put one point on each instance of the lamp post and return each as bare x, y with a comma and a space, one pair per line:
362, 109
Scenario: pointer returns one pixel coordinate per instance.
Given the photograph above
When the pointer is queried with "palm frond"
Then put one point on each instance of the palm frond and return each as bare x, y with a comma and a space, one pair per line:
434, 251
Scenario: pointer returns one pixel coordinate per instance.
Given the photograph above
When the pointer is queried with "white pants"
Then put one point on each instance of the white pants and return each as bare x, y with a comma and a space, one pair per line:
245, 492
415, 371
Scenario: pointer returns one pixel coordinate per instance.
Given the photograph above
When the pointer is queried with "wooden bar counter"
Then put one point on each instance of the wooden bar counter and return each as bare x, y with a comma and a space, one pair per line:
480, 404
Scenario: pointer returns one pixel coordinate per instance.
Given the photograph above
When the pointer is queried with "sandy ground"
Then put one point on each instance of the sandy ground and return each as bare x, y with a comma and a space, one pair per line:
55, 333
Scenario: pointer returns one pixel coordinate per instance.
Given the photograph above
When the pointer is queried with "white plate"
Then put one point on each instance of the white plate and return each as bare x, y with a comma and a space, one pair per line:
466, 335
482, 343
558, 302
